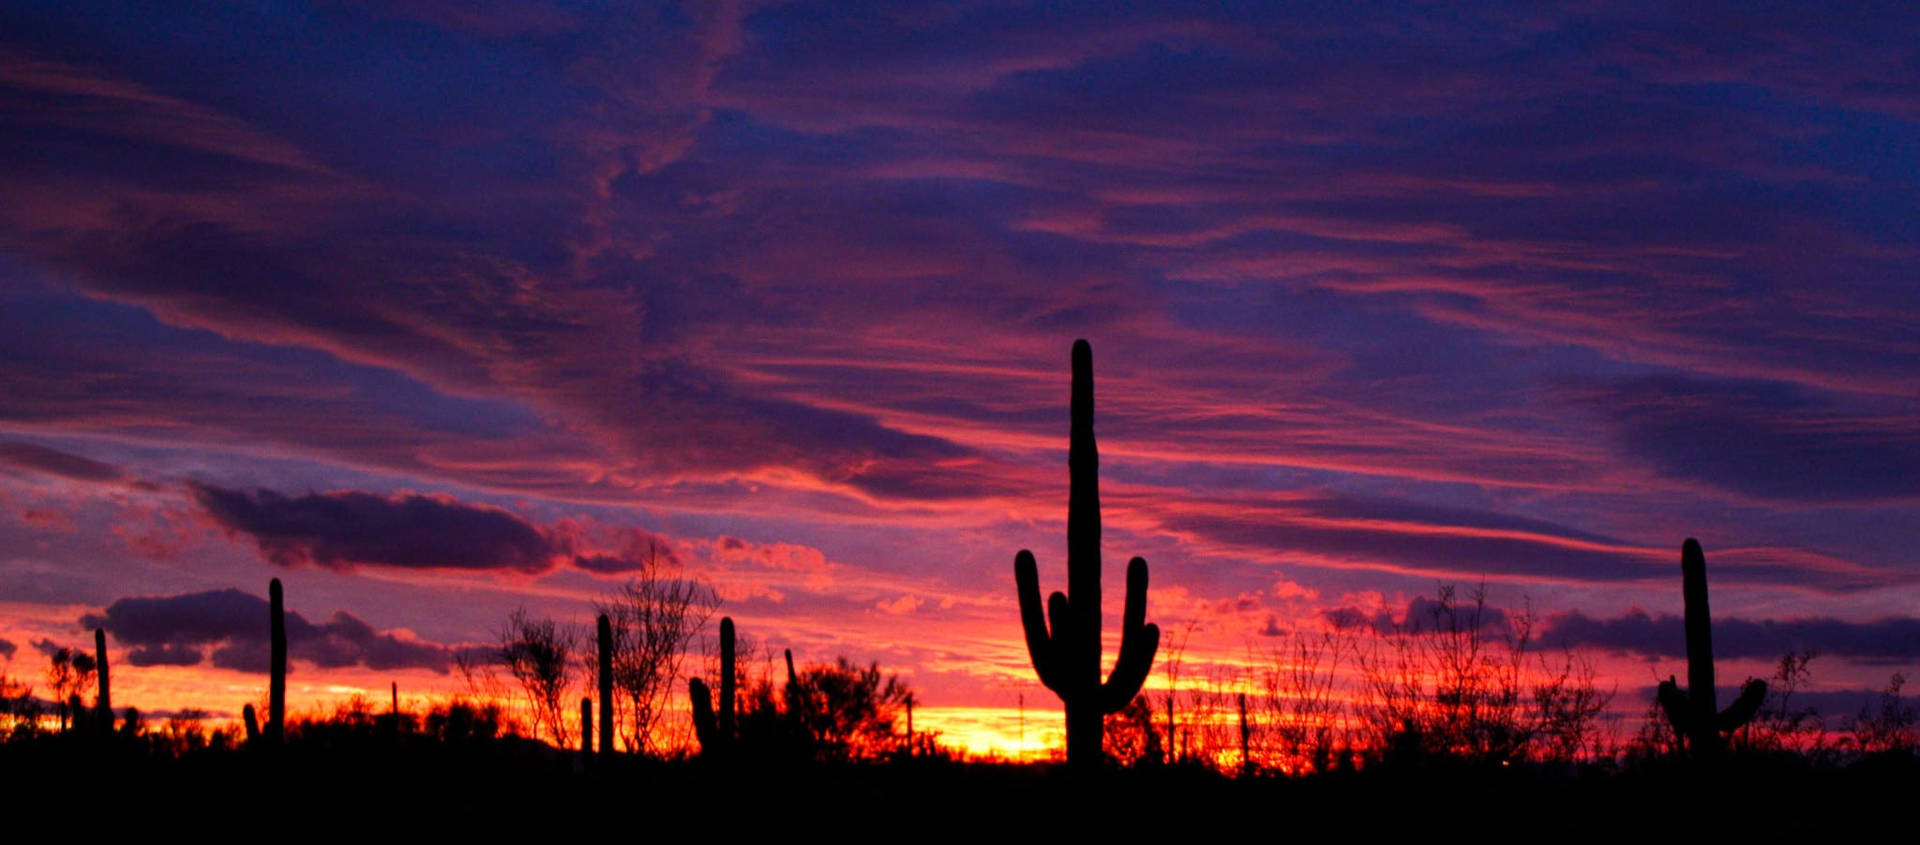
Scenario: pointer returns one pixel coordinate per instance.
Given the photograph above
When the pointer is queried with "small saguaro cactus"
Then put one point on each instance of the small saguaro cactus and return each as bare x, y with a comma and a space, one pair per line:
1067, 659
1246, 740
103, 700
715, 734
604, 645
586, 728
1694, 713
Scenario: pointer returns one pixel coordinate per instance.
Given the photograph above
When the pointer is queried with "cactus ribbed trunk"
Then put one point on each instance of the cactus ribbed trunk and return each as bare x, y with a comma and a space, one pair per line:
276, 728
605, 645
103, 699
1067, 656
1701, 698
1080, 642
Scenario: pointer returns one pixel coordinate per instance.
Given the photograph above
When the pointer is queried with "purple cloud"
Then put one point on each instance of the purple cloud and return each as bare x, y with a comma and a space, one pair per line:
350, 528
1882, 641
179, 630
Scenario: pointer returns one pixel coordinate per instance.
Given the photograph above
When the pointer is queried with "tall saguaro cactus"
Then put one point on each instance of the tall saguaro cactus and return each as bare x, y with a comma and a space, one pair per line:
277, 683
605, 646
103, 700
1067, 657
715, 734
1694, 713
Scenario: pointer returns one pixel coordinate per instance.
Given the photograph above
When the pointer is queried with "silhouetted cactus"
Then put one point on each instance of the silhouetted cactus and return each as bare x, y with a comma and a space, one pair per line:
103, 700
252, 721
276, 727
605, 645
586, 728
1068, 659
716, 734
1694, 713
1246, 740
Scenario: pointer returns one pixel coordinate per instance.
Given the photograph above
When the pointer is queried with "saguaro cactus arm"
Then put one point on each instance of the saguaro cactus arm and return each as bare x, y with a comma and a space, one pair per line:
1026, 579
1745, 707
1139, 640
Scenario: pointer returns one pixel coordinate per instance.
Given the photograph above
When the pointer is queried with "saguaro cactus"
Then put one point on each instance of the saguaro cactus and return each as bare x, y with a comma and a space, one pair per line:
605, 645
586, 728
277, 684
1246, 740
715, 734
1694, 713
1067, 659
103, 700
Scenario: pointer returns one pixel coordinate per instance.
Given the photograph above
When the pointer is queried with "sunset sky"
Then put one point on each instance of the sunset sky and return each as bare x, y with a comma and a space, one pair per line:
435, 311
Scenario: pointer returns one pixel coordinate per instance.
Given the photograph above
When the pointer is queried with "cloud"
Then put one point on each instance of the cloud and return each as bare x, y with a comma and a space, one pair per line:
1423, 615
7, 648
181, 630
1893, 640
346, 529
35, 458
341, 530
1764, 440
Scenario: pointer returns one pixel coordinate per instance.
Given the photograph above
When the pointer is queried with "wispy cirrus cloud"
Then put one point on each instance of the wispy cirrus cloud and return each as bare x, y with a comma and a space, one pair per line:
1380, 294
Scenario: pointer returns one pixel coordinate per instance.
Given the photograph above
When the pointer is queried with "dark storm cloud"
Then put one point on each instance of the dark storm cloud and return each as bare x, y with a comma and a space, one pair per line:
41, 459
1886, 641
341, 530
180, 630
1764, 440
349, 528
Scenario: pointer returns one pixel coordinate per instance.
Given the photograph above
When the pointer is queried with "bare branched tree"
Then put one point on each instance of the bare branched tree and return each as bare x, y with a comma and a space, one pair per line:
850, 712
19, 710
69, 672
1302, 702
654, 617
1892, 727
1568, 706
1451, 684
538, 652
1785, 721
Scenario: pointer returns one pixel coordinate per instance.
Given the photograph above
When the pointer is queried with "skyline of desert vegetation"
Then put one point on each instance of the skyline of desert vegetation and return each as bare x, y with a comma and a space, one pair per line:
1429, 343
